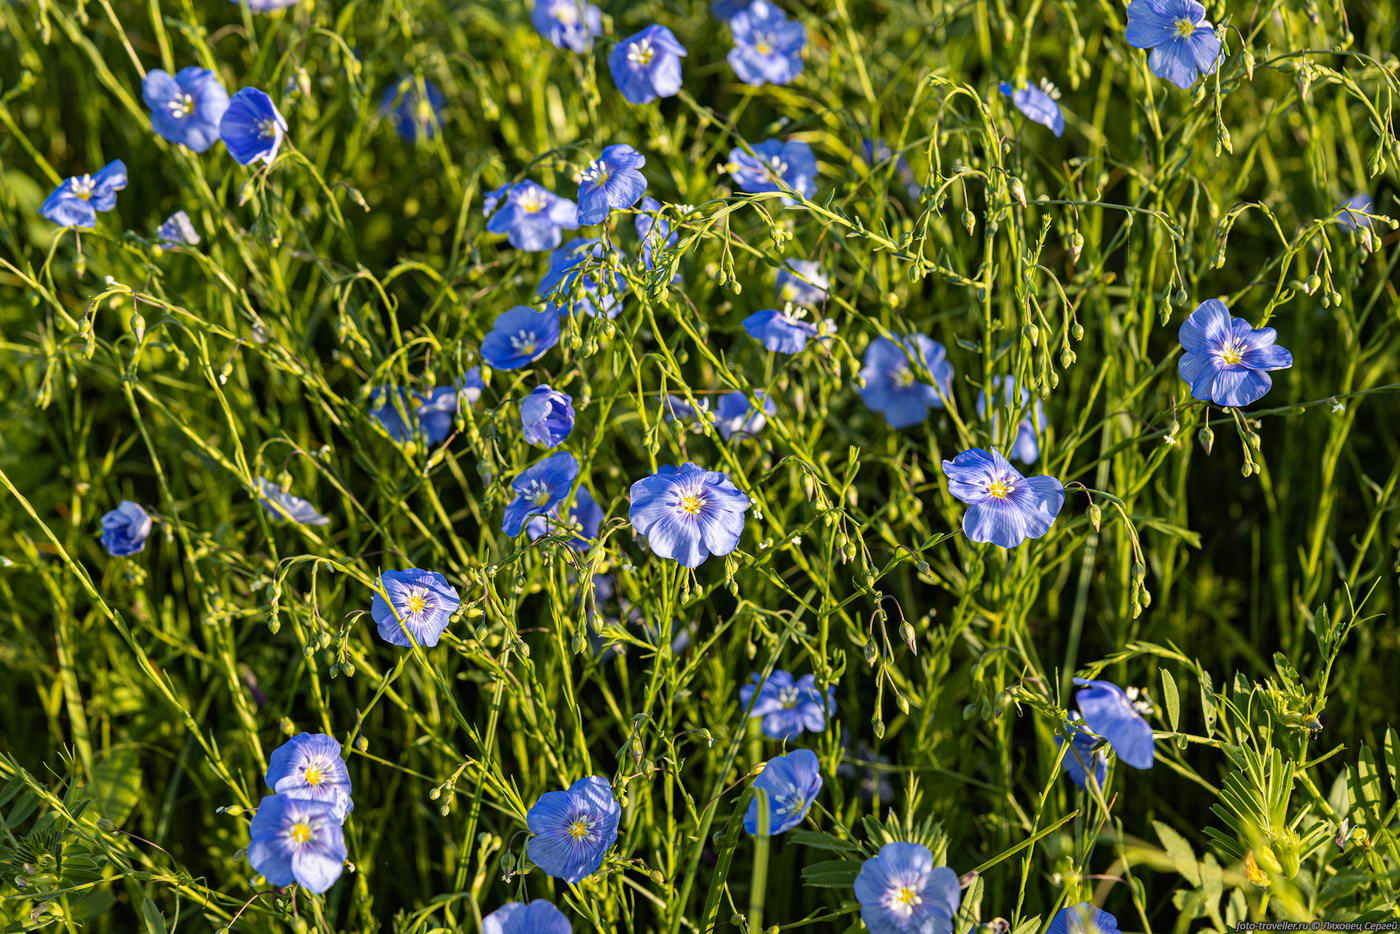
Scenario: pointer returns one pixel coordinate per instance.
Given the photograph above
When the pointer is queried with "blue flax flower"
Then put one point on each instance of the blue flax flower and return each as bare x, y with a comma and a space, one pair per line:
610, 182
786, 331
728, 9
252, 128
787, 705
309, 766
802, 282
185, 107
530, 215
791, 783
415, 112
1082, 918
767, 45
573, 829
892, 386
1225, 360
177, 230
536, 917
437, 411
1109, 712
688, 513
901, 892
792, 162
1182, 41
1024, 448
297, 840
877, 154
677, 409
647, 65
547, 416
267, 6
569, 24
421, 602
538, 489
1084, 756
76, 201
734, 415
1007, 508
584, 519
654, 231
282, 504
581, 280
125, 529
519, 337
1038, 104
1352, 213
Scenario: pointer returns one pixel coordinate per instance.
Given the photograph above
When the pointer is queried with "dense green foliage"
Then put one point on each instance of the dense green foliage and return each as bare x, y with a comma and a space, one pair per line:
1249, 587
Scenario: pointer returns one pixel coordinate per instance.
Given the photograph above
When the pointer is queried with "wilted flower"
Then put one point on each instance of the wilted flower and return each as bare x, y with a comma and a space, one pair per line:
1182, 41
792, 162
520, 336
647, 65
688, 513
767, 45
309, 766
734, 415
892, 387
547, 416
282, 504
420, 602
415, 111
790, 784
1083, 757
531, 216
787, 705
901, 892
125, 529
538, 489
1038, 104
1025, 448
185, 108
1082, 918
610, 182
177, 230
297, 840
1225, 360
76, 201
802, 282
536, 917
1109, 712
252, 128
573, 287
573, 829
569, 24
585, 517
1007, 508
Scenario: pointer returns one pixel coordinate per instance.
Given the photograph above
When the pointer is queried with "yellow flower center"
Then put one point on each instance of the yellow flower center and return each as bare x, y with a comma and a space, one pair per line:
578, 829
999, 489
1184, 27
417, 603
904, 377
532, 201
907, 897
691, 504
1231, 354
314, 776
763, 48
301, 832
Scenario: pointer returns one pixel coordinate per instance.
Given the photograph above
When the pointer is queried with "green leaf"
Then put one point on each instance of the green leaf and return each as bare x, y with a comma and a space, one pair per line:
1182, 856
1170, 699
1392, 759
155, 921
1207, 702
823, 841
1366, 784
832, 873
116, 782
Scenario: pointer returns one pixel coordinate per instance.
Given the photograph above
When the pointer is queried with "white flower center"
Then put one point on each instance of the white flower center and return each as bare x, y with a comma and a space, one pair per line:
1232, 353
523, 342
300, 832
777, 167
416, 601
181, 107
82, 187
1001, 487
903, 900
903, 377
596, 173
531, 200
537, 493
691, 503
267, 129
565, 12
641, 53
788, 698
763, 43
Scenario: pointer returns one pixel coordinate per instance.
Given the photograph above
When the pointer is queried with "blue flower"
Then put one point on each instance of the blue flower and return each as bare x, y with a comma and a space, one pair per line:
1225, 360
265, 6
519, 337
282, 504
610, 181
676, 409
547, 416
767, 45
187, 107
734, 415
421, 602
416, 114
688, 513
1025, 448
647, 65
76, 201
654, 231
569, 24
1007, 508
125, 529
437, 412
538, 916
309, 766
297, 840
1083, 755
802, 282
584, 519
1083, 918
791, 162
791, 783
901, 892
780, 331
1038, 104
177, 230
877, 153
580, 279
573, 829
538, 489
728, 9
1182, 41
530, 215
892, 386
787, 705
1110, 713
252, 128
1352, 213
